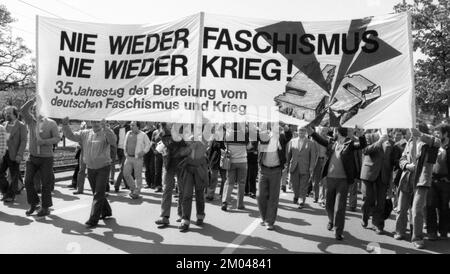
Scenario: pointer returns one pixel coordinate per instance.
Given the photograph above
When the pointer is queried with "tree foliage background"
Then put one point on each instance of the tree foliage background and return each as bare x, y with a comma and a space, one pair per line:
431, 35
17, 71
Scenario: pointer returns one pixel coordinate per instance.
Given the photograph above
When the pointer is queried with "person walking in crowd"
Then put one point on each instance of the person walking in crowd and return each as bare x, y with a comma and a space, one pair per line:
340, 170
271, 159
43, 134
397, 151
376, 175
353, 188
96, 143
158, 158
317, 181
194, 178
81, 176
252, 170
438, 212
149, 157
136, 146
301, 159
121, 131
417, 164
16, 139
172, 152
213, 155
236, 139
287, 131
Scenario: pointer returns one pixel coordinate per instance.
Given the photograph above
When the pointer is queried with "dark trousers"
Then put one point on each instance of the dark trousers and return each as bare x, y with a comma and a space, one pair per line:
438, 211
77, 168
374, 199
98, 179
252, 174
190, 181
149, 163
158, 169
121, 158
43, 165
336, 202
269, 193
13, 166
223, 176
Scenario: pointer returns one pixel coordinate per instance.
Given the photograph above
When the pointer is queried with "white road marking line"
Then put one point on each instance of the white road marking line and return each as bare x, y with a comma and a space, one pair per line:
238, 241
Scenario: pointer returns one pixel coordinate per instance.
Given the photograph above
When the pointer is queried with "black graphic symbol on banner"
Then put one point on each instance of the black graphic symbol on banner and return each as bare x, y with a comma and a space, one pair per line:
311, 91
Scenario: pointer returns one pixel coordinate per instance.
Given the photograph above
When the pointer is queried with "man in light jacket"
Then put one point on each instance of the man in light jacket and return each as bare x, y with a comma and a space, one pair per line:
137, 144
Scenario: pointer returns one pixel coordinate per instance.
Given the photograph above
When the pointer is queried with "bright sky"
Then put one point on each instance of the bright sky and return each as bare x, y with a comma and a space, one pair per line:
161, 11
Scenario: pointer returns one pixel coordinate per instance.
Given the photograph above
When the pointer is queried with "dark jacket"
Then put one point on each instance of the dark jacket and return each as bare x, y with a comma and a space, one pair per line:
397, 152
347, 155
377, 160
17, 140
213, 153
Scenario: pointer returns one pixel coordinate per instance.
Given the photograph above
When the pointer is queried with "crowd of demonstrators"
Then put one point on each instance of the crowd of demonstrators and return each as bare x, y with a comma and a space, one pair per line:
407, 170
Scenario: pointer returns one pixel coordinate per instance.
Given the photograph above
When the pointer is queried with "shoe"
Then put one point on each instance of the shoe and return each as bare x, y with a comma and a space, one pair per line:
316, 201
352, 209
433, 237
270, 227
330, 226
209, 198
43, 212
246, 194
364, 223
159, 189
283, 188
419, 244
241, 207
399, 237
32, 209
116, 190
183, 228
224, 206
339, 237
322, 204
134, 196
379, 231
78, 192
90, 224
262, 223
199, 222
163, 222
301, 205
295, 201
252, 195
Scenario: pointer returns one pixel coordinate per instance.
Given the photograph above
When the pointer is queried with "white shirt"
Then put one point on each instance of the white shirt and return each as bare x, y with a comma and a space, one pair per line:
122, 135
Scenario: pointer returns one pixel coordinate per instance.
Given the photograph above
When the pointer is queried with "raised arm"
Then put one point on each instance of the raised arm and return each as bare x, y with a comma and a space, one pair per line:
25, 110
76, 137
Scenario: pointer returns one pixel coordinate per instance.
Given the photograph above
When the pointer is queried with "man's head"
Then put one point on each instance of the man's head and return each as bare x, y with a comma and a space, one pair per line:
340, 132
398, 135
442, 131
11, 113
302, 132
135, 126
96, 125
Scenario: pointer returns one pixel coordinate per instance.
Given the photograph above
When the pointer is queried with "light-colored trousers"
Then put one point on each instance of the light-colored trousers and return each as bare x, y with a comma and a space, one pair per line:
136, 164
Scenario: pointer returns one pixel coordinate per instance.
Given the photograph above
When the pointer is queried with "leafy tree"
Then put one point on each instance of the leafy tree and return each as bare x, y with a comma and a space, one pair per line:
16, 68
431, 34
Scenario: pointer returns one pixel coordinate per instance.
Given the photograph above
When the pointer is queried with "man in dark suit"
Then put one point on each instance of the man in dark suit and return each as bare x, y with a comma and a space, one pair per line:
376, 174
16, 142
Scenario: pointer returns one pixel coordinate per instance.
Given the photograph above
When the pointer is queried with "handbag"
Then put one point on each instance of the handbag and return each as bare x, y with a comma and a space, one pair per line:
225, 158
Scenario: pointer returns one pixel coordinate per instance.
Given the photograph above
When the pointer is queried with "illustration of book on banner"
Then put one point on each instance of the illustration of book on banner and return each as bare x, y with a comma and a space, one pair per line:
306, 100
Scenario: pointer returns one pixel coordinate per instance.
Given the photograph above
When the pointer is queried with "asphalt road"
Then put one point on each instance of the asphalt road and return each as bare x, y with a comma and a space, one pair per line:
132, 229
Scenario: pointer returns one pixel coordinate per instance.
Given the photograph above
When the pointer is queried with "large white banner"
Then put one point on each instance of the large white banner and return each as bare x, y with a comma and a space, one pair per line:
227, 69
